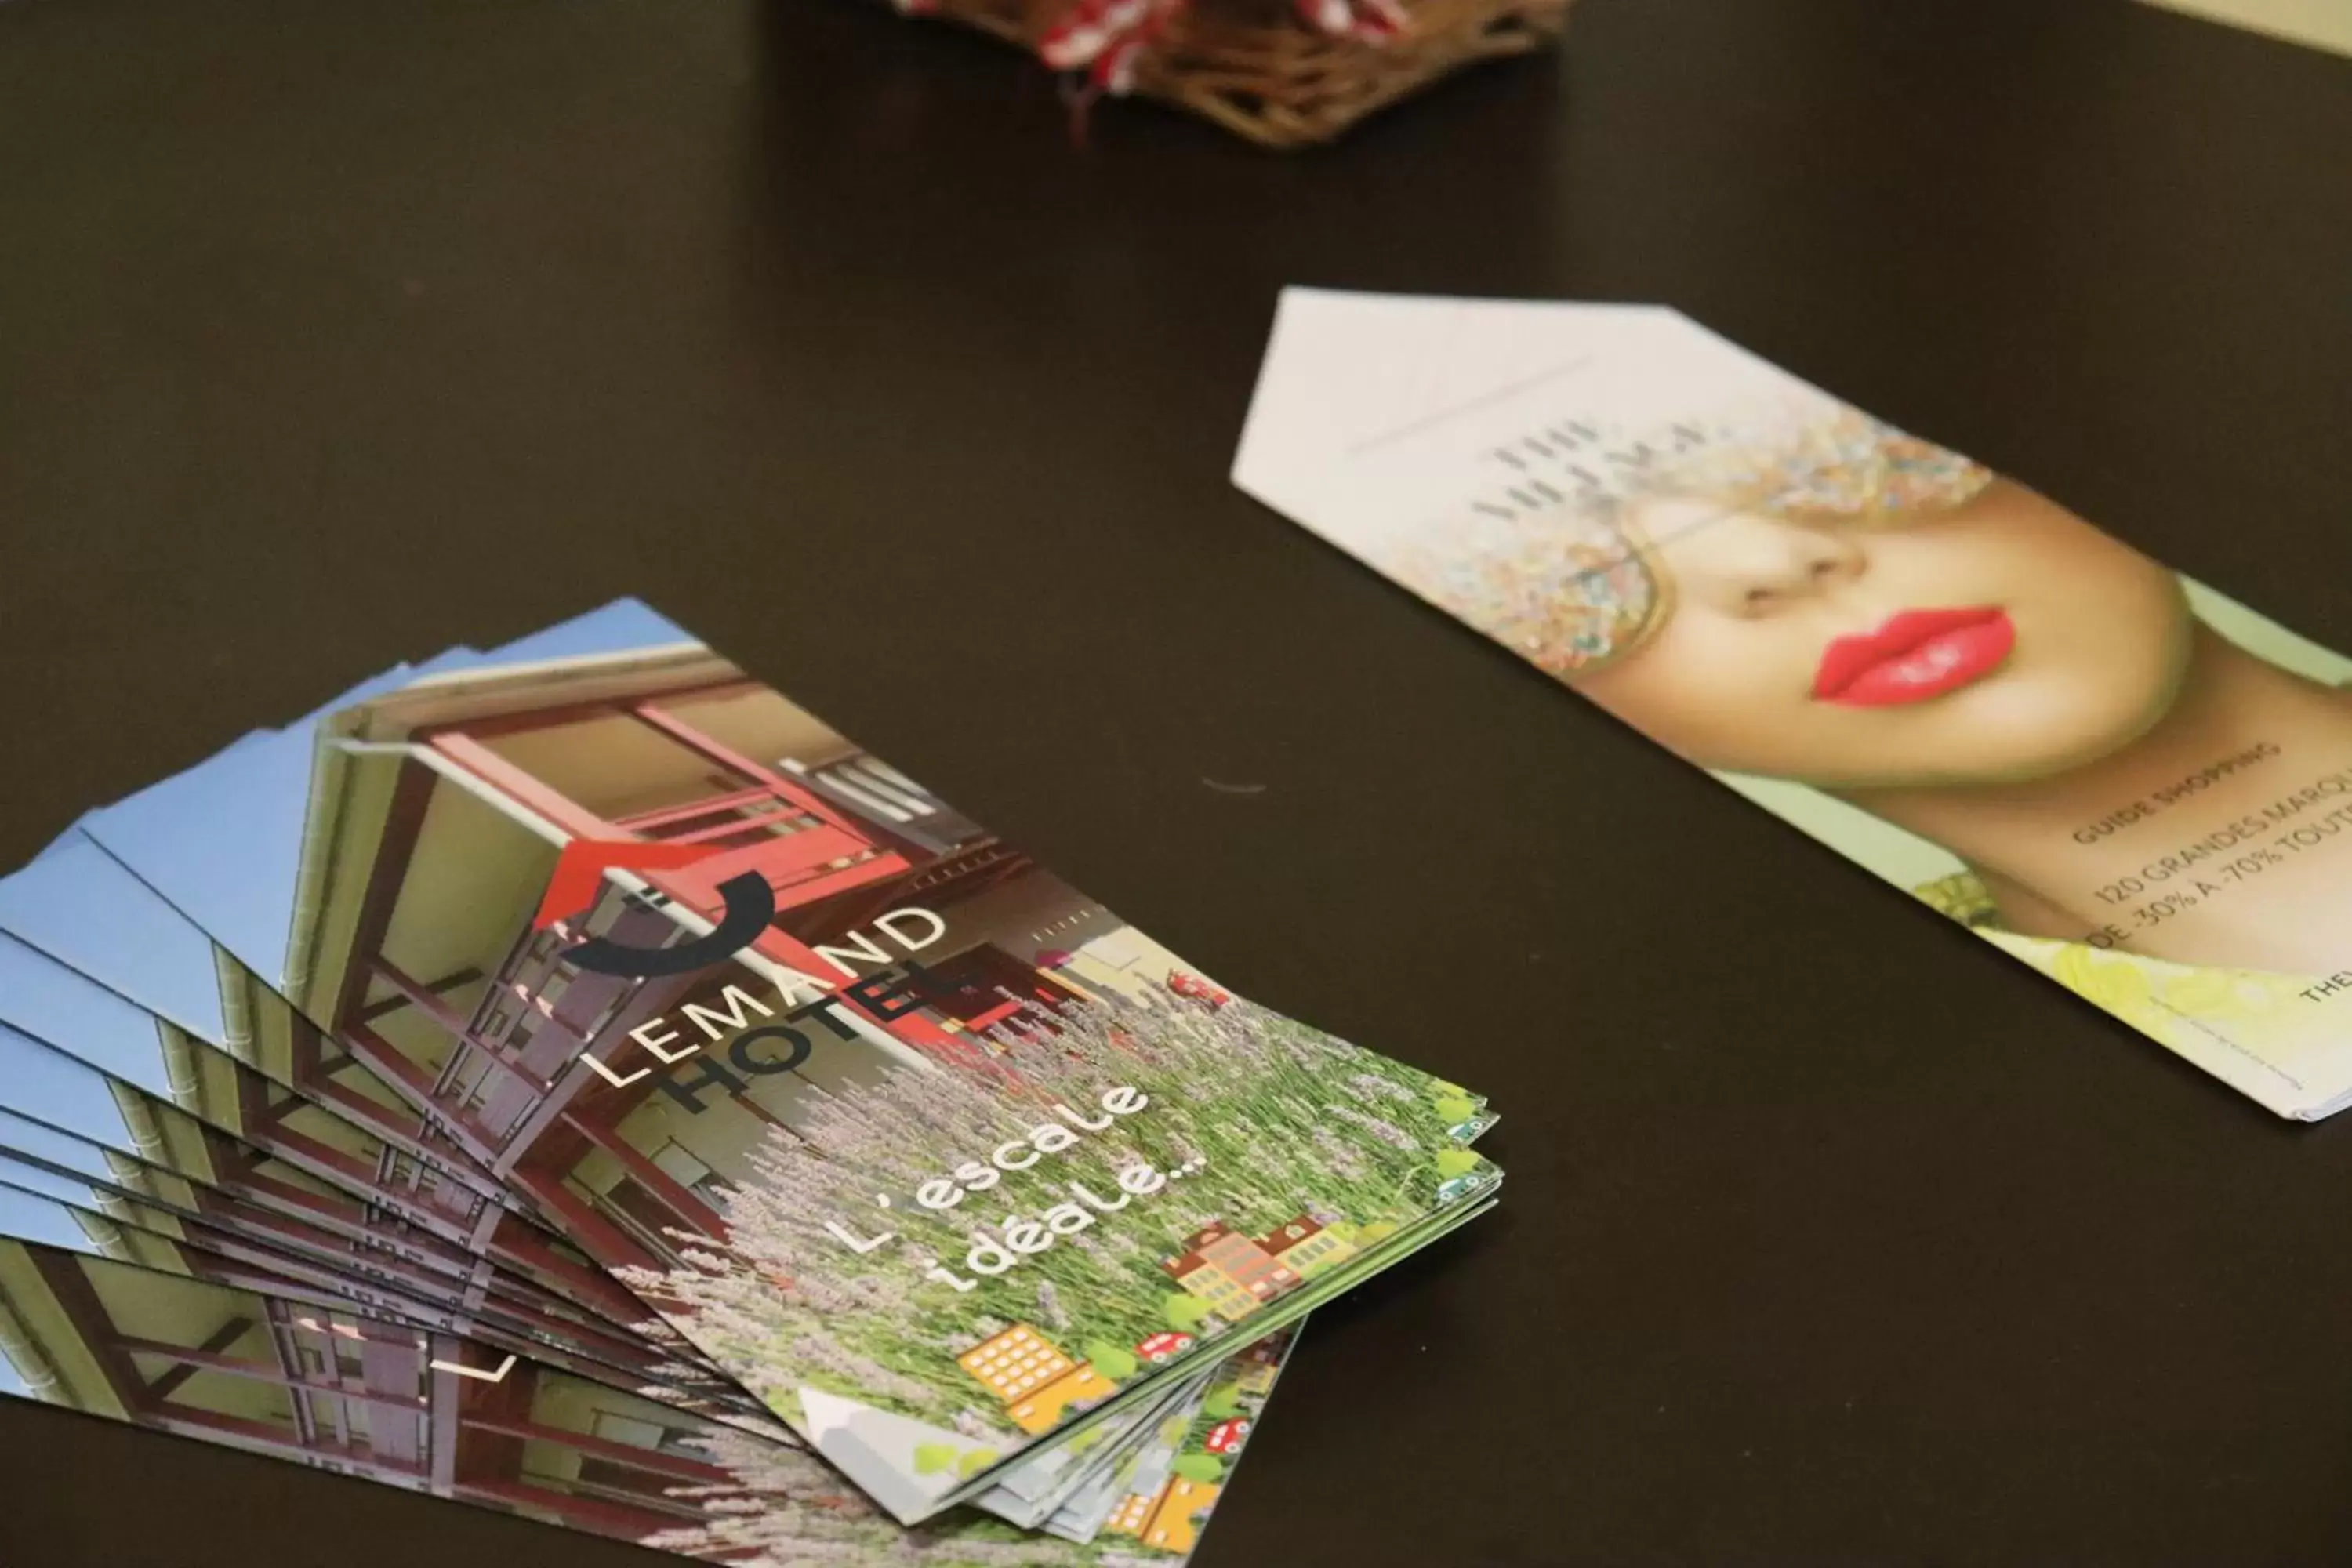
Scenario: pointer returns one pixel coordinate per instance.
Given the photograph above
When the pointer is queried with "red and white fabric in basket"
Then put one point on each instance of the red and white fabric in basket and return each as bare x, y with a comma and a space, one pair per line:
1107, 38
1373, 21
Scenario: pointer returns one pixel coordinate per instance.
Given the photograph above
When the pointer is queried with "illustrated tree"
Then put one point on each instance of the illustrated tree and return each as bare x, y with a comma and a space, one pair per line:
1114, 1362
1457, 1162
1201, 1467
1182, 1312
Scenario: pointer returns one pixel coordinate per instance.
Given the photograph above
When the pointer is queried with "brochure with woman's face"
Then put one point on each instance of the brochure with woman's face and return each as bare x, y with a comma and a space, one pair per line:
2124, 779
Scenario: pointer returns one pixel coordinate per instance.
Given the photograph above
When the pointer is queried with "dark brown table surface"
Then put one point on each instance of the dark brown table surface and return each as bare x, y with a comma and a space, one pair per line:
332, 334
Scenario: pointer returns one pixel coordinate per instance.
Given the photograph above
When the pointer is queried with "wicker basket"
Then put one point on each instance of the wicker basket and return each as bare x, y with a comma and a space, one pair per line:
1257, 68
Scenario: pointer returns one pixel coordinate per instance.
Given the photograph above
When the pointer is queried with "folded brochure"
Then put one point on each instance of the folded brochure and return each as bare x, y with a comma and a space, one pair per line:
2119, 776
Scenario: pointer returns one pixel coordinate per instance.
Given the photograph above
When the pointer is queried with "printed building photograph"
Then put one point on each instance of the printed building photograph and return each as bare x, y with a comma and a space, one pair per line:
620, 1104
203, 1134
152, 1339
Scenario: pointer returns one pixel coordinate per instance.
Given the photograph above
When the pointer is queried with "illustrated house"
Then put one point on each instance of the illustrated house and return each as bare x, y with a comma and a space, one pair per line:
1175, 1522
437, 816
1306, 1247
1133, 1512
1035, 1382
1234, 1273
1259, 1368
144, 1340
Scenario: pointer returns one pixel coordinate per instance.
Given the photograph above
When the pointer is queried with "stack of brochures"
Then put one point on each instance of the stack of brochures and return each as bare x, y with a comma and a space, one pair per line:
575, 1080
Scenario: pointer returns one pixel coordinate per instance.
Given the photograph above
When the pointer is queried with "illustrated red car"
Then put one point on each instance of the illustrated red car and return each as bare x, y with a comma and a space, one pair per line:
1198, 989
1227, 1436
1159, 1347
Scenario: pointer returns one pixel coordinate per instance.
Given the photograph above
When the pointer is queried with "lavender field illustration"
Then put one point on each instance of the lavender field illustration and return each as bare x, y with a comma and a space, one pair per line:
940, 1267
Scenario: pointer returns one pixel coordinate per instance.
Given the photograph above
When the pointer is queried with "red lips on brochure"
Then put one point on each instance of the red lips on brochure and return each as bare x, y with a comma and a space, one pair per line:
1915, 656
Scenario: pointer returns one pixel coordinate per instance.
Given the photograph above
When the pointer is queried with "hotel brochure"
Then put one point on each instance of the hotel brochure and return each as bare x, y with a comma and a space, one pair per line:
153, 1341
873, 930
72, 1095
